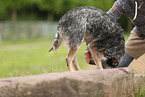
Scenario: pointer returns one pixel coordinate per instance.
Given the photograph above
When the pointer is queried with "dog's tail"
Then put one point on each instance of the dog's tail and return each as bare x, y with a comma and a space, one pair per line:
57, 42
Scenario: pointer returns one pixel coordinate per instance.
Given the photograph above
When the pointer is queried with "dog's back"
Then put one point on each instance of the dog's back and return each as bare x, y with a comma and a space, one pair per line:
90, 24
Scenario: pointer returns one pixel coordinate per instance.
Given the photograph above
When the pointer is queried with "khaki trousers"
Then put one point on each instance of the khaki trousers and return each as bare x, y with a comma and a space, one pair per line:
135, 45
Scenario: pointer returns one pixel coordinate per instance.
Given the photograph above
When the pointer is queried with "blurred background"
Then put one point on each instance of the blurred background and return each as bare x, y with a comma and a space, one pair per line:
27, 29
31, 19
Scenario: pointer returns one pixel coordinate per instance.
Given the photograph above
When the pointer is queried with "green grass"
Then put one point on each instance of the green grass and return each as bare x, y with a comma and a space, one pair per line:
32, 57
140, 92
126, 35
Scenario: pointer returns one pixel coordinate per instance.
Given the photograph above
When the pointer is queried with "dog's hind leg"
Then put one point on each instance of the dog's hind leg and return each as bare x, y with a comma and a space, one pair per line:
70, 57
95, 55
75, 62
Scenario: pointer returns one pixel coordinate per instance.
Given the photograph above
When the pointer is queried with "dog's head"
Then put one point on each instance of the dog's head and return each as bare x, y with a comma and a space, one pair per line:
111, 62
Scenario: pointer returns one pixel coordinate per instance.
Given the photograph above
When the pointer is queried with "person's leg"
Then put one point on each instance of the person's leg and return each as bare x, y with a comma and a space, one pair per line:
127, 59
134, 48
135, 45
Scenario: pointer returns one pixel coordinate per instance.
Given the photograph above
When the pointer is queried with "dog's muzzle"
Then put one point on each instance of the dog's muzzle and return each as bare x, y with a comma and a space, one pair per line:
112, 62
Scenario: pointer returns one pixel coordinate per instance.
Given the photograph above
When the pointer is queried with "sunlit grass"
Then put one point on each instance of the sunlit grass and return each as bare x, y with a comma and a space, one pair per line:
140, 92
126, 35
29, 57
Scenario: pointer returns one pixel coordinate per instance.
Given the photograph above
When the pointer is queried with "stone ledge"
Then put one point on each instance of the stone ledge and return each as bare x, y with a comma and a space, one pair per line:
94, 83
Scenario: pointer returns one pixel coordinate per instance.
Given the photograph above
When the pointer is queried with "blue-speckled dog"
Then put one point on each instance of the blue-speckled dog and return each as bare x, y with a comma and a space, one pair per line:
103, 35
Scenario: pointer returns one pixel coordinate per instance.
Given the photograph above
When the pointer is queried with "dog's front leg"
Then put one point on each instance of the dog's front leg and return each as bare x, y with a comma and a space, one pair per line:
95, 55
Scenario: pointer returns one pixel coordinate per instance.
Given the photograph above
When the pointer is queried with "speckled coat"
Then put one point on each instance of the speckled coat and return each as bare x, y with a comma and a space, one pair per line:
90, 24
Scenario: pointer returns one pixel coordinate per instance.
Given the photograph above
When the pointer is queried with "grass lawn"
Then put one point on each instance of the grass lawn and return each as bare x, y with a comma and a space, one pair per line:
32, 57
